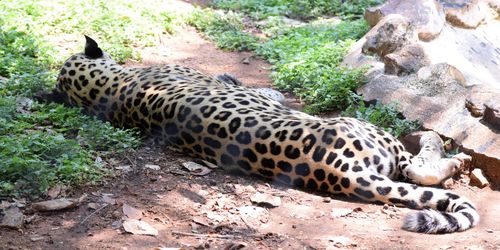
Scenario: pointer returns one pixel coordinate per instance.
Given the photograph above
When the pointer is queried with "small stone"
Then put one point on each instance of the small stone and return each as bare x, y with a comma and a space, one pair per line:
341, 212
246, 60
116, 224
13, 218
57, 204
327, 200
36, 238
196, 169
477, 178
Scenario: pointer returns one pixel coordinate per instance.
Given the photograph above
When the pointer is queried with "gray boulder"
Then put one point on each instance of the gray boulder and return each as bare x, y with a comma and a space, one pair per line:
440, 71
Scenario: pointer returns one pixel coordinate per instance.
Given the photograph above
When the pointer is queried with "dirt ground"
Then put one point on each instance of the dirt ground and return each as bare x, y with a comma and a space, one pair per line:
215, 211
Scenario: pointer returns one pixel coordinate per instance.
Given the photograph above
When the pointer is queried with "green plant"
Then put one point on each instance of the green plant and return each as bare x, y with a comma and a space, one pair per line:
300, 40
317, 78
302, 9
307, 62
384, 116
53, 144
225, 29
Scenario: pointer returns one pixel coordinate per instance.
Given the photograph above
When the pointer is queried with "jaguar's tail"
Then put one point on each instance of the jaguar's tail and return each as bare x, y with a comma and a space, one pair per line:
453, 213
443, 211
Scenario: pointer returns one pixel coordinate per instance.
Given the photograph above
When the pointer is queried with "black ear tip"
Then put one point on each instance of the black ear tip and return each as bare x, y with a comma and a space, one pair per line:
89, 41
92, 50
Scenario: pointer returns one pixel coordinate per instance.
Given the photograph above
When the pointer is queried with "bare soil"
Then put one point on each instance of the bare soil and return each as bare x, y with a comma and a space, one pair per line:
215, 211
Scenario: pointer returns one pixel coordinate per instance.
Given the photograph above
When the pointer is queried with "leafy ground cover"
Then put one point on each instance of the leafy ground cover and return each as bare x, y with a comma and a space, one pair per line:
301, 9
42, 145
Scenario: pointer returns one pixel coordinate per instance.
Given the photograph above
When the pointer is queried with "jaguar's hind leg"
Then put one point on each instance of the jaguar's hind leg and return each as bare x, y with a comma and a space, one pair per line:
429, 167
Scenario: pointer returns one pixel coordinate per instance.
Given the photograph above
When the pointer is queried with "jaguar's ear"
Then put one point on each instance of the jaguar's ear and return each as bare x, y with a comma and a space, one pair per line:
92, 50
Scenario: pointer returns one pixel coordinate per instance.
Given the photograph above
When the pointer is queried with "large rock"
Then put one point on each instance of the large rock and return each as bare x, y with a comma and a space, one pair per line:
451, 83
405, 61
436, 96
467, 14
427, 15
389, 35
485, 102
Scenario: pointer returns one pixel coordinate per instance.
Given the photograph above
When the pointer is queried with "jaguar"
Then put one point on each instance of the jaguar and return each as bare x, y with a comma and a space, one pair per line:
238, 128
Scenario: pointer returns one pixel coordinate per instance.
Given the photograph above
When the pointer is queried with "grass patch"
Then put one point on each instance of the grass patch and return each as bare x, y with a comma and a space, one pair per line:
47, 144
293, 42
307, 62
53, 145
120, 25
300, 9
225, 29
42, 145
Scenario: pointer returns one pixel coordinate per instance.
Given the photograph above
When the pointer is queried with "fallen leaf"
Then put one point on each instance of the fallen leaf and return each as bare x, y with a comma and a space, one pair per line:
139, 227
125, 168
152, 166
131, 212
266, 200
196, 169
13, 218
107, 199
57, 204
98, 160
4, 205
54, 192
93, 205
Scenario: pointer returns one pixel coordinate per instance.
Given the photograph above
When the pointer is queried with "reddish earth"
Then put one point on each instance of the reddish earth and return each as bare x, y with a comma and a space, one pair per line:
215, 211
